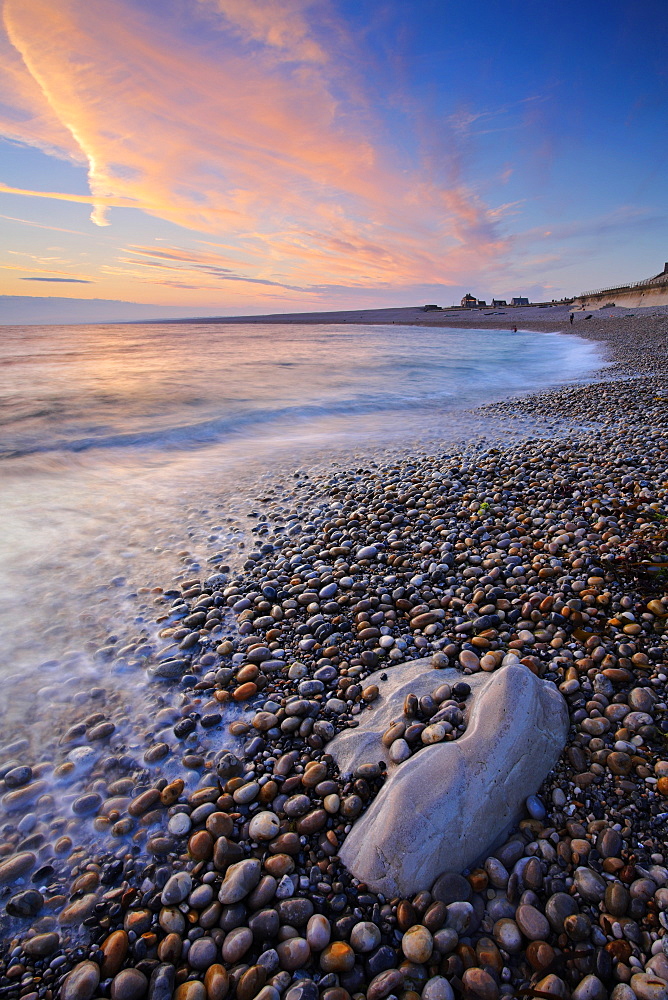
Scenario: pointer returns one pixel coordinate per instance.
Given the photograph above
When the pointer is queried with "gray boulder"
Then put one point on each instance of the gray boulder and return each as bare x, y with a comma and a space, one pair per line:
450, 804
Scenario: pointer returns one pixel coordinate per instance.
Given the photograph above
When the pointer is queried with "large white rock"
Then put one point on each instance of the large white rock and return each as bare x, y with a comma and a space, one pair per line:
450, 804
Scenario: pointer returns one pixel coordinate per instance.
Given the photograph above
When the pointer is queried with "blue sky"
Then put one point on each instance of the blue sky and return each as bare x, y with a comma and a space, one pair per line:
253, 156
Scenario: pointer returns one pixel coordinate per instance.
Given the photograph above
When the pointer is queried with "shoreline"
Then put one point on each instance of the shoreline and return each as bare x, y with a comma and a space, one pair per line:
602, 483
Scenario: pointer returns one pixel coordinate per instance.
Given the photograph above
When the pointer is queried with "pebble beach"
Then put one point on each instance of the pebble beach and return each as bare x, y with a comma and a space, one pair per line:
211, 865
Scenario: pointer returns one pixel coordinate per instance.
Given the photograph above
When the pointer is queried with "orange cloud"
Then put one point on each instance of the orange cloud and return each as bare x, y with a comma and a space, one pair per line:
280, 24
251, 138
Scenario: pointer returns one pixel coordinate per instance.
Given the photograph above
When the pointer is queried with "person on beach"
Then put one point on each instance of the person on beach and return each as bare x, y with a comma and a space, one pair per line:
514, 330
572, 317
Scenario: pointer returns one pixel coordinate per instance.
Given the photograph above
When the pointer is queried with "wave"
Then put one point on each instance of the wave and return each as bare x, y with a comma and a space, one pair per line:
206, 432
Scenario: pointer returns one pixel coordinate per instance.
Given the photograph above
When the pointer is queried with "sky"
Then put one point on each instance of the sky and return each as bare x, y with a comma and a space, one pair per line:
235, 157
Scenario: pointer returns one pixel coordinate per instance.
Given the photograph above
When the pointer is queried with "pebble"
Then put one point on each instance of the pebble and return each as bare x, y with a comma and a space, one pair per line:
82, 982
417, 944
536, 574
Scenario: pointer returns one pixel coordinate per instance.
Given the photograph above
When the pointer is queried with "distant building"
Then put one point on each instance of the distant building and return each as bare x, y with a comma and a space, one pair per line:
469, 301
499, 302
430, 308
481, 302
519, 301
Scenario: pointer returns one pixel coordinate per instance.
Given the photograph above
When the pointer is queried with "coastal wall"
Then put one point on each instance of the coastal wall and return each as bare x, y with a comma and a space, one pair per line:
653, 292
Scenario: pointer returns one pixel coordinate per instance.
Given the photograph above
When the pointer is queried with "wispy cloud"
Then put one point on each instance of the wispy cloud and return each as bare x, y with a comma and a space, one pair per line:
273, 154
71, 281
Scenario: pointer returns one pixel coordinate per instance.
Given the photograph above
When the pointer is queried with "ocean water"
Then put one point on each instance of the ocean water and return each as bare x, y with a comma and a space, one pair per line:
131, 454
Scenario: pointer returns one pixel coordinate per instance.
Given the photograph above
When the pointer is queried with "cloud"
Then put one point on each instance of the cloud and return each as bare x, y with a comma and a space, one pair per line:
41, 225
254, 137
72, 281
279, 24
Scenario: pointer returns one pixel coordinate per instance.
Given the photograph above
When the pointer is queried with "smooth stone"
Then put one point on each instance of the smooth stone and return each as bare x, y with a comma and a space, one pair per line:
589, 885
446, 940
337, 957
559, 906
25, 904
190, 990
179, 824
79, 910
304, 989
318, 932
41, 944
264, 826
535, 807
203, 953
437, 988
590, 988
532, 923
479, 985
553, 986
450, 887
417, 944
251, 982
293, 953
236, 944
114, 948
365, 936
216, 982
295, 912
384, 984
130, 984
399, 751
264, 924
622, 991
240, 879
467, 793
82, 982
649, 987
16, 866
177, 888
459, 917
508, 935
161, 983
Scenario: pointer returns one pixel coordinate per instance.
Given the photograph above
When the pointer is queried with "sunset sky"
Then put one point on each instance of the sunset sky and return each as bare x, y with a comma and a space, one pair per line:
254, 156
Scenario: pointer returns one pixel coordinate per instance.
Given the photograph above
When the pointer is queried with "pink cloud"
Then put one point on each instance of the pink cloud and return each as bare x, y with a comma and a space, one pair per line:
268, 153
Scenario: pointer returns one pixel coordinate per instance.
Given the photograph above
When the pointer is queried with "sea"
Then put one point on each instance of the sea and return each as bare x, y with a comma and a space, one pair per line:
131, 456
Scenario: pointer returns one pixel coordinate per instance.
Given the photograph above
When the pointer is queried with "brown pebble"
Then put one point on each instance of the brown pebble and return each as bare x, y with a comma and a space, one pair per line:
41, 944
539, 955
216, 982
171, 792
279, 864
16, 866
553, 986
144, 802
245, 691
190, 990
200, 845
114, 948
77, 911
81, 983
293, 953
385, 983
479, 984
406, 915
251, 982
219, 824
337, 957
